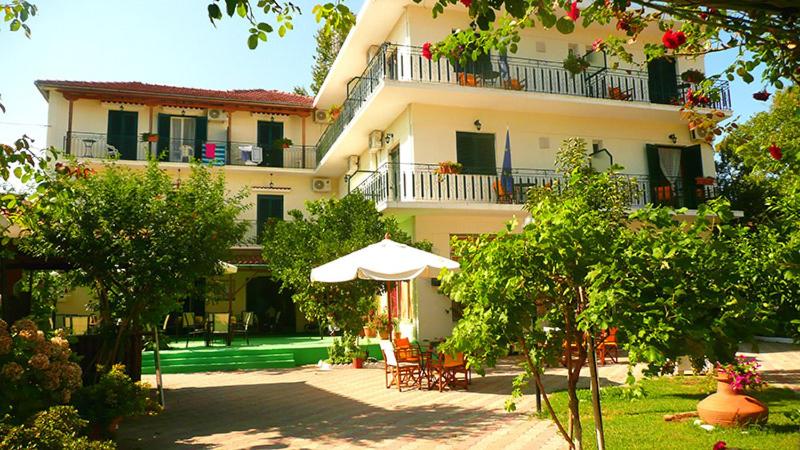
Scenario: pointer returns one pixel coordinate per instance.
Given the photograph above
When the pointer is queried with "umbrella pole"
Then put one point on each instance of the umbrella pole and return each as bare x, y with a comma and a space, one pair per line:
389, 308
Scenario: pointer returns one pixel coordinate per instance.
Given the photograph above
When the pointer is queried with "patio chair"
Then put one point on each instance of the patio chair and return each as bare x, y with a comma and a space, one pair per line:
219, 324
444, 372
403, 373
186, 152
190, 327
245, 154
406, 351
243, 327
608, 346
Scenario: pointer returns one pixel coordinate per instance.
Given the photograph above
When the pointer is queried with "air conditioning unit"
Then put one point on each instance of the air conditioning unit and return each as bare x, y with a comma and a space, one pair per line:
217, 115
375, 140
698, 134
321, 184
322, 116
352, 165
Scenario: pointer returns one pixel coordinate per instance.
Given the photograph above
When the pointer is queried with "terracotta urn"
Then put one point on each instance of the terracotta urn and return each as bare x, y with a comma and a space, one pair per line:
728, 407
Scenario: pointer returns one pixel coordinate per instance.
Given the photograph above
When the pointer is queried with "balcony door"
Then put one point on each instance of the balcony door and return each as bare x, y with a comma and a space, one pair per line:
662, 81
268, 207
673, 174
476, 153
181, 138
122, 133
267, 133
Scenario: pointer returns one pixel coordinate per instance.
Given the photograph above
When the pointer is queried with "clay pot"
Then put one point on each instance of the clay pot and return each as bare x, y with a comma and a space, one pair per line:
384, 334
369, 332
728, 408
358, 363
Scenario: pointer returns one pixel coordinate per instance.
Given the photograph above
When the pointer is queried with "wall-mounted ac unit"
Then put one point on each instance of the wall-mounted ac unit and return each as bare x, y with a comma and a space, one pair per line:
352, 165
375, 140
322, 116
217, 115
698, 134
321, 184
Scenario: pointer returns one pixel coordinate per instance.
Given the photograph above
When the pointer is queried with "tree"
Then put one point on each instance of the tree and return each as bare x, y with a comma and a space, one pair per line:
331, 228
584, 265
136, 239
329, 42
300, 90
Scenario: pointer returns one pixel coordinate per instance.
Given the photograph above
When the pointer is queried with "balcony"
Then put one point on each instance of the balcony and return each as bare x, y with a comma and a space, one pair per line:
406, 64
393, 185
132, 148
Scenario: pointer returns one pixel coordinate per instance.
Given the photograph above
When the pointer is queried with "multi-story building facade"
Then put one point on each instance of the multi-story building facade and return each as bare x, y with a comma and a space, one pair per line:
399, 116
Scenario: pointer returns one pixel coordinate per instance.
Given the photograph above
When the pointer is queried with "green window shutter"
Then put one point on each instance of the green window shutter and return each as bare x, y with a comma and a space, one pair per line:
662, 80
267, 207
163, 136
657, 178
200, 136
476, 152
692, 163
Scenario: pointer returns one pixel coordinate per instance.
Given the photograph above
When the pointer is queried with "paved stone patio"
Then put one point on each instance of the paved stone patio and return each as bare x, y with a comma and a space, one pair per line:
307, 408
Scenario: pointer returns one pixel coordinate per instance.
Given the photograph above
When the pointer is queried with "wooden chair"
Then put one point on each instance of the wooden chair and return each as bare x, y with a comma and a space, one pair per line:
616, 93
219, 324
404, 373
406, 351
467, 79
608, 346
443, 372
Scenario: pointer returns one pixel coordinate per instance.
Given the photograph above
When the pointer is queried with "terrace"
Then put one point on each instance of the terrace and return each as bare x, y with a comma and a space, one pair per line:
229, 153
416, 184
407, 64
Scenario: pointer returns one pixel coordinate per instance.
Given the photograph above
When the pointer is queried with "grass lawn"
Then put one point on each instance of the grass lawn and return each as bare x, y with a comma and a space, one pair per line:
639, 424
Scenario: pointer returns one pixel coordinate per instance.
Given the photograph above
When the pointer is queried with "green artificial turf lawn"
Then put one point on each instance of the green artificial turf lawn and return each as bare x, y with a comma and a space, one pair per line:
639, 424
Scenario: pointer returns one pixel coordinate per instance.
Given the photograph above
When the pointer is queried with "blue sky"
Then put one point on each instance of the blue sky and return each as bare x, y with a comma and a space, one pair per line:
168, 42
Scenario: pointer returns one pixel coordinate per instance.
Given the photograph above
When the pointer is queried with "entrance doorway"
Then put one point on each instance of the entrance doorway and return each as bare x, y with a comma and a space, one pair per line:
274, 310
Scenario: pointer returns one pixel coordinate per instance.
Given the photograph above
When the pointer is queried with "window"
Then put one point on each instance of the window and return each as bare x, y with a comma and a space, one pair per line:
268, 207
182, 135
475, 151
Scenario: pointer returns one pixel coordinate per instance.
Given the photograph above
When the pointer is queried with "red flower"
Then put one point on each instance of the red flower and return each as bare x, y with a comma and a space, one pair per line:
673, 39
775, 152
598, 44
574, 12
466, 3
426, 50
761, 95
693, 98
720, 445
623, 25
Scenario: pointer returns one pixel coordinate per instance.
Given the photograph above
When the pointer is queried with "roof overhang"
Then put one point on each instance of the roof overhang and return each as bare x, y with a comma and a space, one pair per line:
165, 99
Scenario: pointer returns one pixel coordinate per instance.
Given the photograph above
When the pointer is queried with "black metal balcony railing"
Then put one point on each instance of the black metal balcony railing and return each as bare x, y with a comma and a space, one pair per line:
132, 148
406, 63
421, 183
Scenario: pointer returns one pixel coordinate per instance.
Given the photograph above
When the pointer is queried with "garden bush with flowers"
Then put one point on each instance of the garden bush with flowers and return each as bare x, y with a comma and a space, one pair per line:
35, 372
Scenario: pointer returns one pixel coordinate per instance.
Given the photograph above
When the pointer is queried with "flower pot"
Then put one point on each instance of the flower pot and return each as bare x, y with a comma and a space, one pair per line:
398, 335
384, 334
728, 407
358, 363
152, 138
285, 146
369, 332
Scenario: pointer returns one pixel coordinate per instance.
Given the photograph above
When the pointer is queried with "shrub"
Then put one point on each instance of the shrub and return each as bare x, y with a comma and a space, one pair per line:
35, 372
114, 396
57, 428
344, 350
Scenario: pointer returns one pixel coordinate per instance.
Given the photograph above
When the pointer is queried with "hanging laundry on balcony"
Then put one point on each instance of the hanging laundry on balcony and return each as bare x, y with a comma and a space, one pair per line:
214, 154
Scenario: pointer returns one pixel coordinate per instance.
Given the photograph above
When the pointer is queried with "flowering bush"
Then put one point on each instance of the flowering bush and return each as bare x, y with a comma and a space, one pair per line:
35, 372
743, 373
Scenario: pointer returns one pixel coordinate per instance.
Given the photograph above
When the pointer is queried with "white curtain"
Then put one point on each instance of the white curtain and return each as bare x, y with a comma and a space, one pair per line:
670, 161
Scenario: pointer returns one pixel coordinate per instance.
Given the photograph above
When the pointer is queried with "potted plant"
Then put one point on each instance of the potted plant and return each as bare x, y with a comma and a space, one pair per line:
729, 406
282, 143
381, 324
114, 397
355, 354
334, 111
368, 330
693, 76
396, 328
575, 64
447, 167
149, 137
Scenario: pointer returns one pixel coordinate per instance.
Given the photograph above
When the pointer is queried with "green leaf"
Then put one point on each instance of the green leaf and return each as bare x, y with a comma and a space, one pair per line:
548, 19
565, 25
282, 31
252, 41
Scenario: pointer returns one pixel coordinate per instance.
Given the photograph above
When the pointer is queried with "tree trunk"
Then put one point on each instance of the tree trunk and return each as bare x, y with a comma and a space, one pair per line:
574, 410
598, 413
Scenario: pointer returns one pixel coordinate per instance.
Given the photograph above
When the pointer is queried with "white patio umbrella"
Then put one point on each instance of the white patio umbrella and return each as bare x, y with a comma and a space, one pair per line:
385, 261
